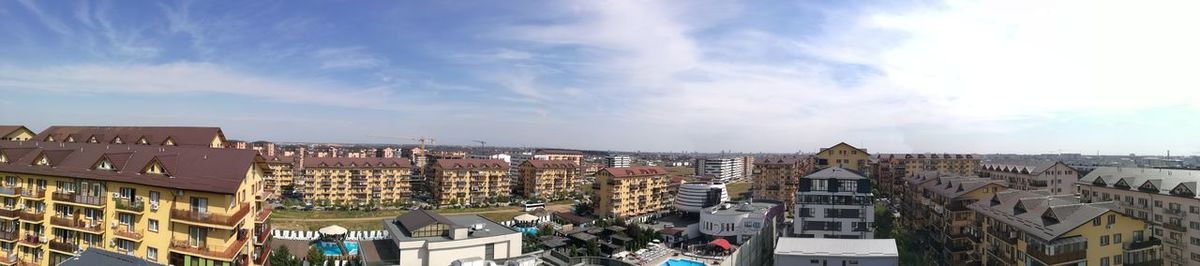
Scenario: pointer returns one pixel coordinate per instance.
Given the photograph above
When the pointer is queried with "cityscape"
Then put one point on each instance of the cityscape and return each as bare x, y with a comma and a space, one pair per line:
599, 133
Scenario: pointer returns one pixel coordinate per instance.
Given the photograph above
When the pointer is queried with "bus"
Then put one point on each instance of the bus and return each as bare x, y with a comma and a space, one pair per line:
529, 206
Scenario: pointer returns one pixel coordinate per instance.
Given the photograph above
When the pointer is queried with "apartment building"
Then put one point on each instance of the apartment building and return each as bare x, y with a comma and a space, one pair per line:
184, 205
911, 197
723, 169
834, 203
949, 230
556, 155
15, 133
356, 181
844, 156
631, 192
469, 181
279, 175
889, 169
545, 179
162, 136
1056, 177
618, 161
778, 179
1164, 198
1039, 228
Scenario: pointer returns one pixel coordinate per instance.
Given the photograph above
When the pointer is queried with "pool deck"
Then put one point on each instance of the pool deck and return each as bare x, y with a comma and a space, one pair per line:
372, 251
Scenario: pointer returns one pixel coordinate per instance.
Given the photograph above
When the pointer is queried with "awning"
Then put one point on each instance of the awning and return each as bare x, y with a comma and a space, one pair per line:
332, 230
525, 218
720, 243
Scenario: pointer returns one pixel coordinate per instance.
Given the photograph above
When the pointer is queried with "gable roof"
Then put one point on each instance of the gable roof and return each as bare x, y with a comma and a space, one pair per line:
470, 164
181, 136
864, 151
206, 169
6, 130
551, 164
955, 186
1068, 213
835, 172
1164, 180
1029, 167
635, 171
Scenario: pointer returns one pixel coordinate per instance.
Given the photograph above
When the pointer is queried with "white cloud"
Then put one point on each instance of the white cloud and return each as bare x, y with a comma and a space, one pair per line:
347, 58
51, 22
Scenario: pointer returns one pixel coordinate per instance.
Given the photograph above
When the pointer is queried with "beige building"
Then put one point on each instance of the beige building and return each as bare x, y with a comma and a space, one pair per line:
889, 169
778, 178
556, 155
163, 136
944, 203
844, 156
1056, 177
186, 205
631, 192
425, 238
464, 182
356, 181
545, 179
279, 175
1165, 198
15, 133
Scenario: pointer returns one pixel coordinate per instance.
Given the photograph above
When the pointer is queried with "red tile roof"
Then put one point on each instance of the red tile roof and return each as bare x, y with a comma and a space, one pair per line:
346, 162
558, 152
635, 171
190, 168
182, 136
471, 164
552, 164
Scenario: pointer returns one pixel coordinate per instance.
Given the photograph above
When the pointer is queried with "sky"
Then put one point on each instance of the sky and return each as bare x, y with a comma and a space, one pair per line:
1108, 77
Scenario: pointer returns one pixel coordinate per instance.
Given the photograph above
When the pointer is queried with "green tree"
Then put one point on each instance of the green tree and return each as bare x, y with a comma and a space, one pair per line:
282, 257
315, 257
883, 222
593, 248
545, 230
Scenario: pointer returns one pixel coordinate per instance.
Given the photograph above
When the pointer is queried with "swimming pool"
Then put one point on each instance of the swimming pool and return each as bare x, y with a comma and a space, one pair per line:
681, 262
331, 248
528, 230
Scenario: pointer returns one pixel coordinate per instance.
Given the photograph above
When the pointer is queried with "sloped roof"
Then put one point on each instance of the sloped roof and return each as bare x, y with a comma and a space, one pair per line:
470, 164
635, 171
182, 136
835, 172
955, 186
1033, 167
421, 218
192, 168
558, 152
5, 130
1068, 211
1164, 179
847, 145
346, 162
552, 164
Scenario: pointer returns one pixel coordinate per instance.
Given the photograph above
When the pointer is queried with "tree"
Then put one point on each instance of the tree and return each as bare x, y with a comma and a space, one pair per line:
545, 230
282, 257
315, 257
883, 222
593, 248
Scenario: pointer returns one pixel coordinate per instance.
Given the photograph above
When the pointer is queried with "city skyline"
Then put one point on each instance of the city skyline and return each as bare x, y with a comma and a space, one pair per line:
955, 77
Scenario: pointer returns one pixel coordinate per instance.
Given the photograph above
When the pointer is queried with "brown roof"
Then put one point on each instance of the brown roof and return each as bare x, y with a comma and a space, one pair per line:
182, 136
573, 218
9, 129
558, 152
346, 162
191, 168
471, 164
635, 171
552, 164
417, 219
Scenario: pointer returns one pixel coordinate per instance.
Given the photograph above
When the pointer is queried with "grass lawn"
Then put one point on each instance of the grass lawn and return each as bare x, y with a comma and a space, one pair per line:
330, 214
681, 170
738, 191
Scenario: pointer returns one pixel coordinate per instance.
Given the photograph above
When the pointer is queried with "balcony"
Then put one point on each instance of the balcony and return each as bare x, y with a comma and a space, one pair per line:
33, 193
32, 240
8, 213
262, 215
1174, 226
64, 247
1157, 262
136, 206
123, 231
225, 253
10, 191
260, 257
261, 234
9, 236
224, 221
1058, 258
1007, 237
31, 217
94, 226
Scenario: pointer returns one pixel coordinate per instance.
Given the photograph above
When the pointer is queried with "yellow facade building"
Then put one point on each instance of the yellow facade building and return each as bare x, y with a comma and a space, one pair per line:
356, 181
15, 133
890, 169
845, 156
631, 192
944, 203
548, 179
465, 182
161, 136
779, 178
168, 205
279, 176
1018, 227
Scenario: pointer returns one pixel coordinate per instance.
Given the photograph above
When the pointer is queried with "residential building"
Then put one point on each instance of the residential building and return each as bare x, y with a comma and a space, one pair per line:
1056, 177
618, 161
747, 167
469, 181
723, 169
15, 133
630, 192
949, 228
912, 198
1164, 198
545, 179
738, 222
779, 178
165, 204
426, 238
844, 156
1040, 228
790, 251
279, 175
266, 148
696, 196
237, 144
834, 203
556, 154
162, 136
356, 181
386, 152
100, 257
889, 169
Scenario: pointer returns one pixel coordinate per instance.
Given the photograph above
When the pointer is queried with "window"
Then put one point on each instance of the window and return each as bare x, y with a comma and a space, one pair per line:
154, 196
1112, 219
152, 254
1096, 222
152, 225
1117, 238
127, 193
489, 251
1103, 241
1104, 261
1158, 203
1117, 259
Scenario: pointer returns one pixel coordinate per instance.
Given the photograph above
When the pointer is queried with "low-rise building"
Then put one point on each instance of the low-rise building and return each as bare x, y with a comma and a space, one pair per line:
469, 181
630, 192
425, 238
1164, 198
834, 203
790, 251
1056, 177
778, 178
738, 222
356, 181
15, 133
544, 179
1039, 228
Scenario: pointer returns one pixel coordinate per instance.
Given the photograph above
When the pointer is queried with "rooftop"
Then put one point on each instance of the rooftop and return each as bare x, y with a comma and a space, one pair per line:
741, 208
1040, 214
180, 136
1165, 181
99, 257
471, 164
954, 186
833, 247
835, 172
489, 229
347, 162
635, 171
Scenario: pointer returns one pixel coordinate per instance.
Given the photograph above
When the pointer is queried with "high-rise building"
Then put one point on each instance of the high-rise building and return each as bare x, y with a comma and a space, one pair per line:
723, 169
266, 148
834, 203
779, 178
1165, 198
465, 182
168, 205
543, 179
888, 170
844, 156
279, 175
618, 161
15, 133
386, 152
356, 181
162, 136
631, 192
944, 205
1056, 177
1038, 228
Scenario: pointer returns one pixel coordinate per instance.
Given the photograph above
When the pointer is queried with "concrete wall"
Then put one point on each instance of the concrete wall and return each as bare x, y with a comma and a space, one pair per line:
791, 260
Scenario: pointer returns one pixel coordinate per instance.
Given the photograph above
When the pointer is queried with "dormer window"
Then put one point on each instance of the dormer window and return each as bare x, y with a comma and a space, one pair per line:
155, 167
105, 164
1018, 208
1049, 218
169, 142
49, 138
93, 140
143, 141
70, 139
118, 140
41, 160
3, 158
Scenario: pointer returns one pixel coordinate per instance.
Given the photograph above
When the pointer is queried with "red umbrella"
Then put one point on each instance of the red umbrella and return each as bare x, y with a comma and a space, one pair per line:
720, 242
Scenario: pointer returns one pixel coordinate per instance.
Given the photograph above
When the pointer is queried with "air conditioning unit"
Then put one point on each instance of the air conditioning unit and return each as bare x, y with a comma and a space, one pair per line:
154, 206
116, 194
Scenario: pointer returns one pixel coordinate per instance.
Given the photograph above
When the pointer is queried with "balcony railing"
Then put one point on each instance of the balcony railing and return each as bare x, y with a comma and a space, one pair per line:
1058, 258
216, 251
211, 218
33, 193
262, 234
10, 191
130, 205
262, 215
1009, 237
30, 216
33, 240
9, 236
8, 213
63, 246
81, 224
1176, 227
123, 231
79, 198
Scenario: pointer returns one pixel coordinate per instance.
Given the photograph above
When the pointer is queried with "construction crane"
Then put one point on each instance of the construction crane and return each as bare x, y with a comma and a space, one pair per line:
421, 140
481, 143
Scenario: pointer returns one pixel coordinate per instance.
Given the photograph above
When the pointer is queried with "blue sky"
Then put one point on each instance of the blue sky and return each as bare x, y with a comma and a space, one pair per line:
774, 76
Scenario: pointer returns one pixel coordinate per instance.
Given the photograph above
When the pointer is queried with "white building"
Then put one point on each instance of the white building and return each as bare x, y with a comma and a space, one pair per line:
724, 169
738, 222
1165, 198
1056, 177
792, 251
428, 239
693, 197
618, 161
834, 203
